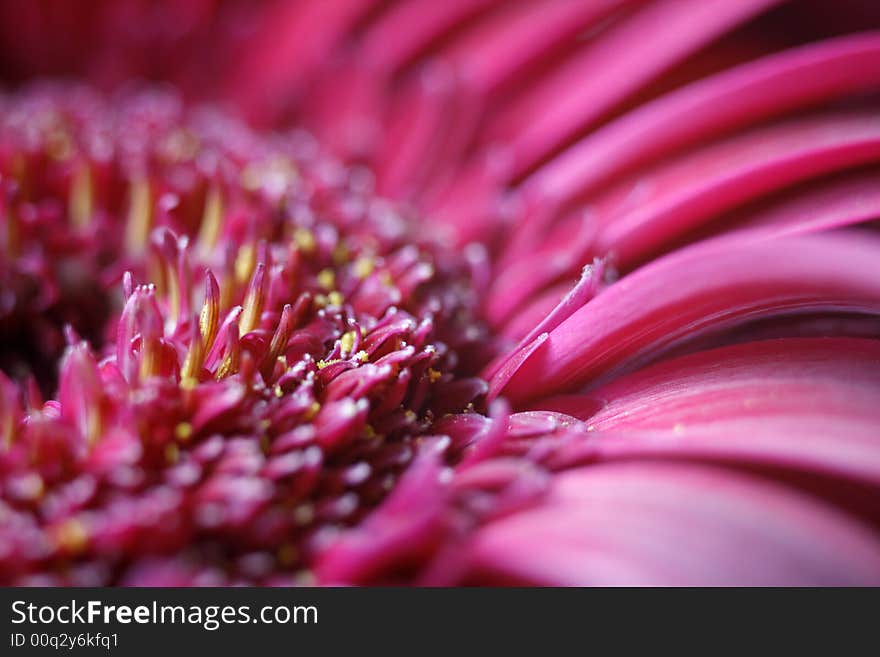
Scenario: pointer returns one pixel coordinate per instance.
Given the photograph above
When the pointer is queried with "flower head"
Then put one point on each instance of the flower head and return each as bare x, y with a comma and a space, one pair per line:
535, 292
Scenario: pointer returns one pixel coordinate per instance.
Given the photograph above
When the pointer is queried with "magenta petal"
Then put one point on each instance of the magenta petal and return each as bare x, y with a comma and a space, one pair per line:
662, 524
429, 126
499, 47
661, 206
690, 292
851, 200
749, 380
404, 526
504, 370
748, 93
617, 64
586, 288
807, 402
296, 36
79, 391
408, 27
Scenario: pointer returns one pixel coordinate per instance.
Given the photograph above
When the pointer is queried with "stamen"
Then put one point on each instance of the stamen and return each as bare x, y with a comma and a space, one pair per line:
254, 301
140, 216
212, 217
210, 314
81, 204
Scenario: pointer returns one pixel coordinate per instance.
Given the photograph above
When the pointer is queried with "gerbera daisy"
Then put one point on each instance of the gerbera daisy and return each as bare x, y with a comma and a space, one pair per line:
472, 292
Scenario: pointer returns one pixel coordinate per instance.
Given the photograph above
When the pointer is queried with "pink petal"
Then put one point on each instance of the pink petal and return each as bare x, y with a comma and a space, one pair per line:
656, 207
620, 62
429, 126
691, 292
406, 28
662, 524
805, 402
577, 93
585, 289
736, 97
849, 200
407, 524
497, 48
295, 37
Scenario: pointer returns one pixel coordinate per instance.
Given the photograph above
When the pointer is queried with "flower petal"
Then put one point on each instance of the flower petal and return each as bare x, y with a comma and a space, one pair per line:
643, 214
705, 287
746, 94
491, 53
663, 524
843, 201
810, 403
610, 69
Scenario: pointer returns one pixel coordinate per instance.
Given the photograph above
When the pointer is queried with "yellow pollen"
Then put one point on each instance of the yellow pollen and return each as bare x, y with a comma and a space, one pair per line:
362, 356
335, 298
324, 363
320, 301
183, 431
313, 410
326, 279
364, 266
434, 375
72, 535
278, 391
347, 341
305, 240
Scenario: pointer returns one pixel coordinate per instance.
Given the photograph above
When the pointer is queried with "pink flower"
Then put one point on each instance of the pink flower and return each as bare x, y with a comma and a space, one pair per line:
511, 293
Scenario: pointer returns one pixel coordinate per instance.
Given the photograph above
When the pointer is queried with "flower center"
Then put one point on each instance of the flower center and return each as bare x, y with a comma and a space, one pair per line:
241, 344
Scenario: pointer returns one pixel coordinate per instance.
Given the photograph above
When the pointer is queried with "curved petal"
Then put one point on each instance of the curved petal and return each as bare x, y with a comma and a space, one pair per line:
406, 28
688, 293
616, 65
493, 51
849, 200
660, 206
745, 94
667, 524
295, 38
810, 403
